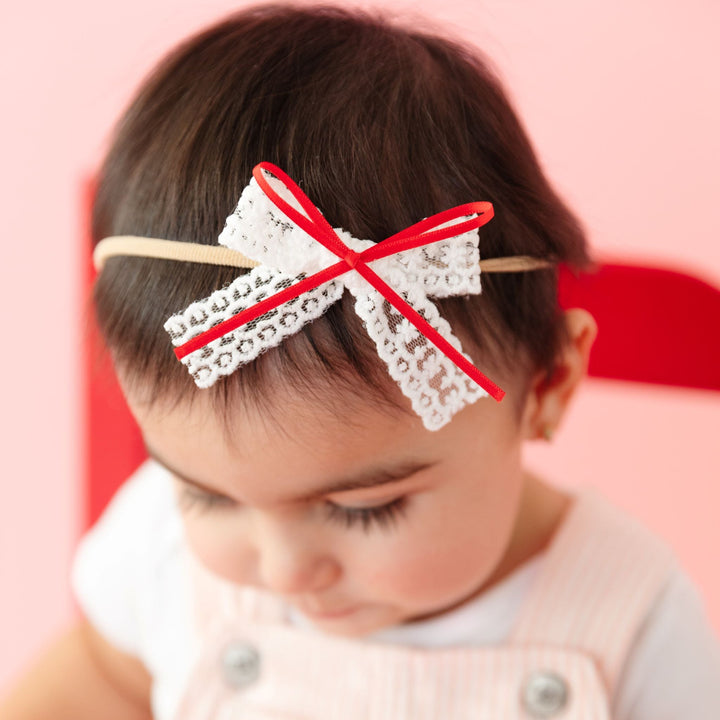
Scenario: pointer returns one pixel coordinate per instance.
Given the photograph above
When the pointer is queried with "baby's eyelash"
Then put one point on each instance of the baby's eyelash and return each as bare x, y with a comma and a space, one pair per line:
382, 516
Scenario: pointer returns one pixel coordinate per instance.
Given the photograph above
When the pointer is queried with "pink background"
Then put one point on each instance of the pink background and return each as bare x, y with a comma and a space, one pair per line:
622, 100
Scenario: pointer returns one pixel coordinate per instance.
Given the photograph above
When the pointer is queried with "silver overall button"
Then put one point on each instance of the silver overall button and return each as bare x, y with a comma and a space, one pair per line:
545, 694
240, 664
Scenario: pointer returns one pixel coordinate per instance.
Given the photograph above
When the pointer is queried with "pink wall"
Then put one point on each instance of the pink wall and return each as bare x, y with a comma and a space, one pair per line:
622, 101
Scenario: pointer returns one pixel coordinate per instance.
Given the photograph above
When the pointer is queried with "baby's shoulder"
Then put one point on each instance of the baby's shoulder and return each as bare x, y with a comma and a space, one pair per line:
612, 532
130, 563
142, 516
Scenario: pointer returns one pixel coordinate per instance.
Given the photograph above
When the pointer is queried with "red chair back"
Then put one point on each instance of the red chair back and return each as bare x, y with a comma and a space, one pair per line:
654, 325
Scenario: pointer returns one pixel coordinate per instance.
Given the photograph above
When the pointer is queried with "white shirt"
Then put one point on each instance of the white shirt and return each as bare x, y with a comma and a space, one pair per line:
130, 578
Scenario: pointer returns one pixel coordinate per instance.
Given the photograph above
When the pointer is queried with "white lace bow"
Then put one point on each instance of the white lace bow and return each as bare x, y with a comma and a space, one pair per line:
436, 386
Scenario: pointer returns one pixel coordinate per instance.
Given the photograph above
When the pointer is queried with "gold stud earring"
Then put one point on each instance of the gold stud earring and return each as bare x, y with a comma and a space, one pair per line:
548, 433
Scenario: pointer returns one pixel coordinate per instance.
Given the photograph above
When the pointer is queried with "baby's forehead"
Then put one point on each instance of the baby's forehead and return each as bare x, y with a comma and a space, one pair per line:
307, 437
322, 421
288, 456
318, 419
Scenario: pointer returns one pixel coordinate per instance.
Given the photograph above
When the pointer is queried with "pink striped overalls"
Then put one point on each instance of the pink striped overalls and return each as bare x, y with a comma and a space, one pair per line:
600, 577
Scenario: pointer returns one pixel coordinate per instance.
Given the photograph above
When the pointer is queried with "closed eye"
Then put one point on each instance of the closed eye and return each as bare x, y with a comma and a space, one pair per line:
190, 498
380, 516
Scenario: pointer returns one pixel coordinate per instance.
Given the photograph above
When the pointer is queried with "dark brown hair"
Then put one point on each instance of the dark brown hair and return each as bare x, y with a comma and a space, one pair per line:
381, 125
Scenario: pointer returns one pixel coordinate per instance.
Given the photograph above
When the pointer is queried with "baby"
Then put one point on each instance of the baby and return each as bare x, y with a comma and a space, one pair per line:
328, 263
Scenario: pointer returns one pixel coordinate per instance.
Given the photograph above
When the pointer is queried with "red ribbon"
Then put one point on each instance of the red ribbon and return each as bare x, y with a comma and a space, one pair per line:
314, 224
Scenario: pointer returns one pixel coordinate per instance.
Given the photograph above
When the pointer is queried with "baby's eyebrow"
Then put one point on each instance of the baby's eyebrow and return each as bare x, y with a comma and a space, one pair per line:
371, 477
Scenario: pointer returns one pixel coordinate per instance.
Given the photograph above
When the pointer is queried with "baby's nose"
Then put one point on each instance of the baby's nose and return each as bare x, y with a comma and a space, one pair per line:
288, 565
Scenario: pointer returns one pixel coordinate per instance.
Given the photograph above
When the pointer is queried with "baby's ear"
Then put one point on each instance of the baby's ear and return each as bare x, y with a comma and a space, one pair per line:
549, 397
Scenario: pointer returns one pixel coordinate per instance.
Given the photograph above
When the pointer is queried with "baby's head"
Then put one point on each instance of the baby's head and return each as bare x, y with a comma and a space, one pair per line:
381, 126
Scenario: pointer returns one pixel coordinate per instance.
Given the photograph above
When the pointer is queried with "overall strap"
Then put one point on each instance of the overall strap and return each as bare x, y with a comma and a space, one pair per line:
602, 574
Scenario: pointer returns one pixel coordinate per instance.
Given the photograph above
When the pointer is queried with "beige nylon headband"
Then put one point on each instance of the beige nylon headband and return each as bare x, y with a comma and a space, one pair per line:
129, 245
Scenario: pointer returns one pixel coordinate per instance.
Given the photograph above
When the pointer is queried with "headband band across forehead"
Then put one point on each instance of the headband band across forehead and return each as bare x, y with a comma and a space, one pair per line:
301, 265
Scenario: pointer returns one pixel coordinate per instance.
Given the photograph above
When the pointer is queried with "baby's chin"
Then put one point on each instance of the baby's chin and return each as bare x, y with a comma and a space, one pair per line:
359, 622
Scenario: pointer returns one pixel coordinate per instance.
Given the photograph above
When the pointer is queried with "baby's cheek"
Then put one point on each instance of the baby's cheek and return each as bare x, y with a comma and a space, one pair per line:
445, 558
220, 550
424, 575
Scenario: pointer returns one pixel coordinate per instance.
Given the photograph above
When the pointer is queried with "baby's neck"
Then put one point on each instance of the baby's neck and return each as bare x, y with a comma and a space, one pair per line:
542, 510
